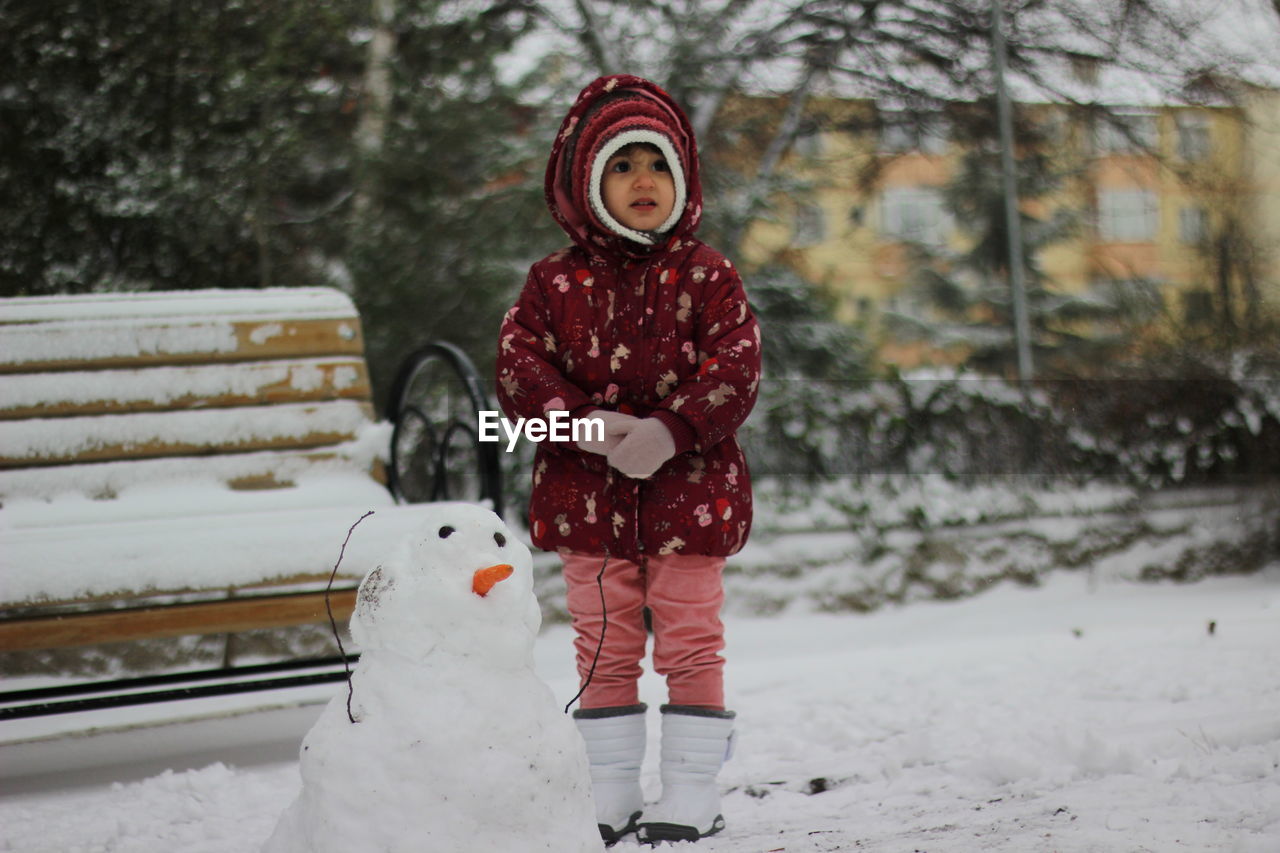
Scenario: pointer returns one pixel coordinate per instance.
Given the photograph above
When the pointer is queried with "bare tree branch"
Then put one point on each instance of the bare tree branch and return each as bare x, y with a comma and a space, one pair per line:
592, 39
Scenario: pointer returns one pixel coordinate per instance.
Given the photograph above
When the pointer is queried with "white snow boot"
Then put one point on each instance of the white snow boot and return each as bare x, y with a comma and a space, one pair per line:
615, 750
695, 743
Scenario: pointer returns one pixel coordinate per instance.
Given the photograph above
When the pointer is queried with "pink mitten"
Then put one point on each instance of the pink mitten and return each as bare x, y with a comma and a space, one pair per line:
611, 439
647, 443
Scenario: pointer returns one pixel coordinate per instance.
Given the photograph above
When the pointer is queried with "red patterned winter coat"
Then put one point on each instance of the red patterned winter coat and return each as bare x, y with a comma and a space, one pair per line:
662, 331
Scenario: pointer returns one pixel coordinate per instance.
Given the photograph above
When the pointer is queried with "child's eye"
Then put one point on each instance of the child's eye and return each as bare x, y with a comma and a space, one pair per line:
620, 167
660, 166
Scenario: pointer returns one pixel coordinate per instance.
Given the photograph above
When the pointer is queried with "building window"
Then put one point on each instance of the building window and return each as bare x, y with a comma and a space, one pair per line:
1193, 225
1140, 298
902, 131
1085, 68
915, 215
808, 143
1128, 216
1126, 133
1193, 136
1197, 306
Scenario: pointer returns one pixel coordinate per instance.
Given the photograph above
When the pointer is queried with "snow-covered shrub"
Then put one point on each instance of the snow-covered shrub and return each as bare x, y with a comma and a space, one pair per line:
1212, 419
1145, 433
956, 425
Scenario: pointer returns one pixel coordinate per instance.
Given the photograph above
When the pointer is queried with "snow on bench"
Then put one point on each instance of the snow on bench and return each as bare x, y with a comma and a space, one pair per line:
192, 444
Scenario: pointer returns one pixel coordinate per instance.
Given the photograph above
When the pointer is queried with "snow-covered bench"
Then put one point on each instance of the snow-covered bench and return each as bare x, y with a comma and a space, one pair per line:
184, 463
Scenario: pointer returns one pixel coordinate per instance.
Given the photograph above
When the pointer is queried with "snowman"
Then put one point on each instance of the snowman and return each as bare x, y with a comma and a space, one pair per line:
449, 742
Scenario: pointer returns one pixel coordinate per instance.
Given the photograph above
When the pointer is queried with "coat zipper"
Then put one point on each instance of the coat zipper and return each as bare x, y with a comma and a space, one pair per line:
644, 353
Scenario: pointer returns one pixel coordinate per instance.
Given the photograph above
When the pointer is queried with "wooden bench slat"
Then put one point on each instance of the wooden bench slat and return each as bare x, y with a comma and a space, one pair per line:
76, 344
173, 620
134, 431
43, 395
244, 471
255, 547
235, 303
44, 441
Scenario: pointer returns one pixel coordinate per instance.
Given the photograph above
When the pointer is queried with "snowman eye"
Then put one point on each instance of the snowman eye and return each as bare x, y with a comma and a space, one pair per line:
500, 539
446, 532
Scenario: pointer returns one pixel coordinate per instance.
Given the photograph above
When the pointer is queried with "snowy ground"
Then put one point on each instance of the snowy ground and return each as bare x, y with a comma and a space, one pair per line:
1072, 717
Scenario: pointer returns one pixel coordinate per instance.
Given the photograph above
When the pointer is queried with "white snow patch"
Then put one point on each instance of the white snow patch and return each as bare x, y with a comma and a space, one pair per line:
266, 332
37, 438
1070, 717
89, 340
345, 377
313, 303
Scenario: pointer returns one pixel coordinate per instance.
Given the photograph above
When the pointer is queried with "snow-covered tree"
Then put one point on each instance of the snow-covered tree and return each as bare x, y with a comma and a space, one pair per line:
959, 299
360, 143
917, 56
395, 147
183, 145
452, 210
804, 340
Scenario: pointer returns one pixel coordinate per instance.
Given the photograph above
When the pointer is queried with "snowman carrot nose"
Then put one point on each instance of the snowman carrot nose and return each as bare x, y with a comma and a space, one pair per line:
485, 579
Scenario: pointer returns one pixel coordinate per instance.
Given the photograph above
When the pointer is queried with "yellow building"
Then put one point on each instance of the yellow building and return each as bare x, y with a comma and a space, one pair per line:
1262, 157
1186, 198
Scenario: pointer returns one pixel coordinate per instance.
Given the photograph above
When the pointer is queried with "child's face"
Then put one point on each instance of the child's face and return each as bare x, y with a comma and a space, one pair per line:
638, 189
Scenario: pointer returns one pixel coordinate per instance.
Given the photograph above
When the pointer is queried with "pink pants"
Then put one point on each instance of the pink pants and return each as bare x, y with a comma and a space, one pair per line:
683, 594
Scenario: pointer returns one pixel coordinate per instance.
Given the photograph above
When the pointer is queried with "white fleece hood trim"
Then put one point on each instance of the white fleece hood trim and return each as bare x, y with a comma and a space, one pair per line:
596, 198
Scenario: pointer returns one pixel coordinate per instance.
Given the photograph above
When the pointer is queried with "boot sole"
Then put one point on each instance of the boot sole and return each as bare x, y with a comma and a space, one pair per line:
652, 833
612, 836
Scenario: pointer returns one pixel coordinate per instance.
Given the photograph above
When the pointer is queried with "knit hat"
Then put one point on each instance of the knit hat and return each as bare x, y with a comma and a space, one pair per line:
616, 123
609, 114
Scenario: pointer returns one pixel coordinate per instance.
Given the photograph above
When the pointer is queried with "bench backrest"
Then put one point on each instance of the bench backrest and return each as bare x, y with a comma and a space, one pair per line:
248, 387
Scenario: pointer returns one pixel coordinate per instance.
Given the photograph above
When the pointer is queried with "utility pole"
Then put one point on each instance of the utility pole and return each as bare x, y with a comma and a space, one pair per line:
1013, 218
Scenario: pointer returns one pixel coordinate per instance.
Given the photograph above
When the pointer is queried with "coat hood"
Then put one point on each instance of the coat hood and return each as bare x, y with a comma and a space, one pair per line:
609, 113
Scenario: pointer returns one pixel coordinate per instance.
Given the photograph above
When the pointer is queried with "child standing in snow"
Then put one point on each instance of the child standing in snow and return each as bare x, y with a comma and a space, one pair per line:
644, 327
